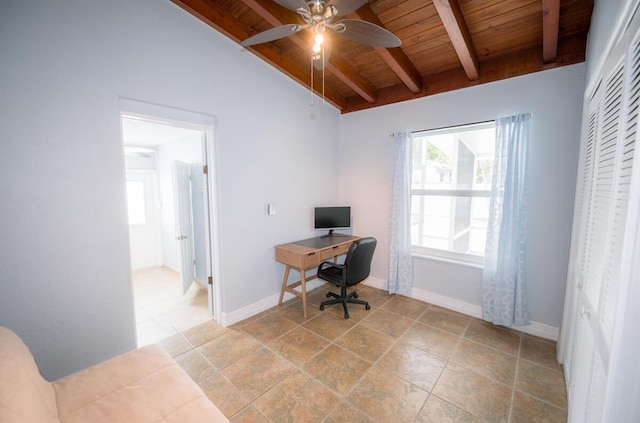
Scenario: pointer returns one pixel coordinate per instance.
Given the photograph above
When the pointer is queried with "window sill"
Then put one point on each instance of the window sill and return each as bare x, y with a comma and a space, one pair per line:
446, 260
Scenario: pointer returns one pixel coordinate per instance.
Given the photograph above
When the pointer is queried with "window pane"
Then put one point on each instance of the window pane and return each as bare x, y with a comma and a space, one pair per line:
457, 161
449, 223
136, 203
460, 159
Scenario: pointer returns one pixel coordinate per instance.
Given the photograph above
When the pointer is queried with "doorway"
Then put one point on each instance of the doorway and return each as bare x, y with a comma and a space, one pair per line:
170, 216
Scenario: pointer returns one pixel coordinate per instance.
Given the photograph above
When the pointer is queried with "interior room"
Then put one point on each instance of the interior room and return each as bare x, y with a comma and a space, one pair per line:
274, 150
168, 297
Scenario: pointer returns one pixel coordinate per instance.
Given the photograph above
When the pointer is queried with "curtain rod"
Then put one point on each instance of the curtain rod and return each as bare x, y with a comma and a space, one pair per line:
464, 124
446, 127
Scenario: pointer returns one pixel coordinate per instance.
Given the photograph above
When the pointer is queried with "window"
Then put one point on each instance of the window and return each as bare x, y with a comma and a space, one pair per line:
450, 188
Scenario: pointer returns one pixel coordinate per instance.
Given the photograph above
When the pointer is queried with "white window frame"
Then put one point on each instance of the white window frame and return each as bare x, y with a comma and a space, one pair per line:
473, 260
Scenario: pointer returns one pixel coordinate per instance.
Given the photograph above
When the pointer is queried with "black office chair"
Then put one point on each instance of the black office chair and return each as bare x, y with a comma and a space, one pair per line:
355, 269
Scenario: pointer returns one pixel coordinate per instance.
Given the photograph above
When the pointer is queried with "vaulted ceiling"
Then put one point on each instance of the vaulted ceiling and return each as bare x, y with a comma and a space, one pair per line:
446, 44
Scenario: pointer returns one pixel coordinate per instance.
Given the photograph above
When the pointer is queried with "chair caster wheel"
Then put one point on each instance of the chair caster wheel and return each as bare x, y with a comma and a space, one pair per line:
367, 307
328, 295
355, 295
321, 307
346, 315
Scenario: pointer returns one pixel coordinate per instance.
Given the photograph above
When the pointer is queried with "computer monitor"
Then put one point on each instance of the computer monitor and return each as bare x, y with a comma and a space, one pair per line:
332, 218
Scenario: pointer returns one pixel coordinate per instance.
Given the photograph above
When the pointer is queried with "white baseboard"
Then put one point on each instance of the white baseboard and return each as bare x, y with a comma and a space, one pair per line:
538, 329
228, 319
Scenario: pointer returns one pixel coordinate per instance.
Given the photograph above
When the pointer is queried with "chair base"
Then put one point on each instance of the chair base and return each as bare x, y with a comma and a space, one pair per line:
343, 299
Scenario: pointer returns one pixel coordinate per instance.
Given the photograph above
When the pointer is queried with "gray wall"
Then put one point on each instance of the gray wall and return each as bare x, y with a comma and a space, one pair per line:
64, 257
555, 99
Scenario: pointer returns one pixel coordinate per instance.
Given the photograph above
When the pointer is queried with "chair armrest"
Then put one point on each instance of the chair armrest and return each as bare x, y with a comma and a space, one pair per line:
330, 264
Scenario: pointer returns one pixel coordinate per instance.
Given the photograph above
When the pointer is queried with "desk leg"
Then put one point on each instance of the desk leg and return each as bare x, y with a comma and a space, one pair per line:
303, 285
284, 283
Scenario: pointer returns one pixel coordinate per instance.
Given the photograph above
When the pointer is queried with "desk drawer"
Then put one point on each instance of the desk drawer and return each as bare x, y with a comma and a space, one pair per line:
334, 251
312, 260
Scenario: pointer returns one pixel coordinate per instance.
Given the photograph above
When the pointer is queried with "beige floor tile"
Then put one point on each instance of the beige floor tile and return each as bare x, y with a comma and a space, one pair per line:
319, 294
539, 350
317, 370
365, 342
474, 393
430, 339
298, 398
529, 409
444, 319
388, 323
357, 312
183, 319
438, 411
345, 412
413, 365
541, 382
204, 333
256, 373
387, 398
175, 345
337, 368
486, 361
249, 415
295, 312
195, 365
268, 327
375, 297
223, 394
150, 332
254, 318
229, 348
299, 345
498, 337
328, 325
404, 306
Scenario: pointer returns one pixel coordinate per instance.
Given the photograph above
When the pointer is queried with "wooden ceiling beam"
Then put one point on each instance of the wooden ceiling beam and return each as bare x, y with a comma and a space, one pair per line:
570, 50
216, 17
550, 25
456, 27
395, 58
278, 15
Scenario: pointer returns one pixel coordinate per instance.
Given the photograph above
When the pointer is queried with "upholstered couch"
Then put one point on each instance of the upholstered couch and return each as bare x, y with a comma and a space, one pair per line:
144, 385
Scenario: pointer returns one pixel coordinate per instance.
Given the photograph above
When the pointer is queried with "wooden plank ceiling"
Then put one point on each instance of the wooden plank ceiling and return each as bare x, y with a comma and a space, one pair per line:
446, 44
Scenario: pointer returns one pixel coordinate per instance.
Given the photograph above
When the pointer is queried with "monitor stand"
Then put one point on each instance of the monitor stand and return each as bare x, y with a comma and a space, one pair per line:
332, 234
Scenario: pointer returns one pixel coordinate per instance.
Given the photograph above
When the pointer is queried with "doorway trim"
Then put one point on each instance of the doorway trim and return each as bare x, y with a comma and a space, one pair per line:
207, 124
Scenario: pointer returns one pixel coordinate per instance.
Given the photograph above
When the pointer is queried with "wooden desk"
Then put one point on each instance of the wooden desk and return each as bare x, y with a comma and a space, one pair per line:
306, 254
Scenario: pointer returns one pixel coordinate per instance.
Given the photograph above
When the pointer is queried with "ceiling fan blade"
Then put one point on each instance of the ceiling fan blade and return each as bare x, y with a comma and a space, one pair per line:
293, 4
272, 34
347, 6
319, 64
364, 32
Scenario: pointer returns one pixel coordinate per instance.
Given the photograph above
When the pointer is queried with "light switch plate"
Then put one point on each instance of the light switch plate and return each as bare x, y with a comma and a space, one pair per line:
271, 209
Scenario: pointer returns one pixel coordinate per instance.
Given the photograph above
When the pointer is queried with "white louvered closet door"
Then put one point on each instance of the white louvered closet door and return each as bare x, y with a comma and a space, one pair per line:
609, 140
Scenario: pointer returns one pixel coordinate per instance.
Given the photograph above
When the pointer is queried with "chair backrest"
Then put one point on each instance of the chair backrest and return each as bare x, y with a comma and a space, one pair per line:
358, 261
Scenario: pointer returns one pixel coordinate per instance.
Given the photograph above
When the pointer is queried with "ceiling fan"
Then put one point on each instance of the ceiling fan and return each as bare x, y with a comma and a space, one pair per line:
318, 16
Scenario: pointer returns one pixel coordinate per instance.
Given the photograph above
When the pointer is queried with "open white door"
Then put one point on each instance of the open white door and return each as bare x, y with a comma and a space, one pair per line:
184, 226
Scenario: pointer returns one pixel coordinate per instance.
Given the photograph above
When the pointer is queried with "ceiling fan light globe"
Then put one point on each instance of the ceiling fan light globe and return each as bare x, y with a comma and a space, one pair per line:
316, 48
319, 38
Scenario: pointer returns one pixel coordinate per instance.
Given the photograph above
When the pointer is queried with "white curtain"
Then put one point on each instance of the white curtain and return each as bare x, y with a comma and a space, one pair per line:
400, 260
504, 294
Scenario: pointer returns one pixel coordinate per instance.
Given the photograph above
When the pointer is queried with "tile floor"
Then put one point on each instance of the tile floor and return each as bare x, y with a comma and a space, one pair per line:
161, 309
401, 361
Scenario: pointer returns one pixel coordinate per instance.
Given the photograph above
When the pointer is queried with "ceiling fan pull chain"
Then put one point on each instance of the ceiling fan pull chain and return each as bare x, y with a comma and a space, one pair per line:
322, 74
311, 87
